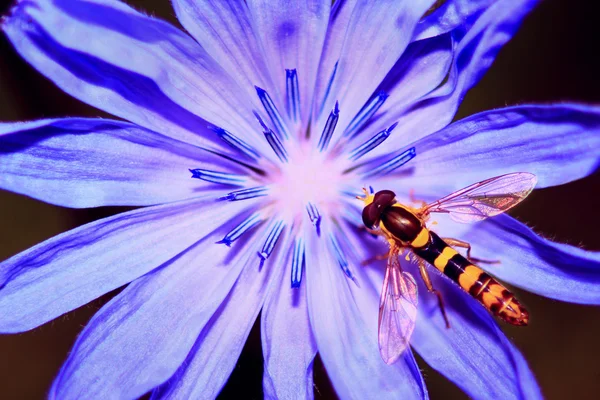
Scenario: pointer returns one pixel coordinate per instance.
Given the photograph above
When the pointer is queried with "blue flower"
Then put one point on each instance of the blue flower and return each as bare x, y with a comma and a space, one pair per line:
281, 111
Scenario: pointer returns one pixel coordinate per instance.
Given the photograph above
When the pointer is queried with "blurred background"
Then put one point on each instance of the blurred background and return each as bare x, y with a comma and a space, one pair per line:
552, 58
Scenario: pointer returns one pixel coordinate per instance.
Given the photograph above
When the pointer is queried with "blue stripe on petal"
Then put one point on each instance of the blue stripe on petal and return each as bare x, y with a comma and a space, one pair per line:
374, 38
220, 343
75, 267
232, 43
292, 35
475, 46
80, 162
288, 343
124, 352
558, 143
137, 71
344, 321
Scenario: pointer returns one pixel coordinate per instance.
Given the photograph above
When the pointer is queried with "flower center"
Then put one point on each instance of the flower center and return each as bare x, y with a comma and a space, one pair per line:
309, 178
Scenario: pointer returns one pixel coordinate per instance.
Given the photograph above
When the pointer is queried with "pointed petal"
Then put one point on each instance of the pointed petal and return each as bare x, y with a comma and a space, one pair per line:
133, 66
450, 15
224, 30
292, 35
477, 45
538, 265
220, 343
140, 338
343, 316
557, 143
376, 35
474, 353
289, 347
75, 267
80, 162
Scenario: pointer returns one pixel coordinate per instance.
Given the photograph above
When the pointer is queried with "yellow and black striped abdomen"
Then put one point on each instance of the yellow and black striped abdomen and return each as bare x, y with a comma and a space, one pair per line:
495, 297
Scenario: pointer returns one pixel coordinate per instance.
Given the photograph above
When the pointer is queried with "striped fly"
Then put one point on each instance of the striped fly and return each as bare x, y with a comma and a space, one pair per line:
405, 230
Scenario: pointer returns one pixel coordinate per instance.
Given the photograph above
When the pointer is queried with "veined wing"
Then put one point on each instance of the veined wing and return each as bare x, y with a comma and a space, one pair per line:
486, 198
397, 311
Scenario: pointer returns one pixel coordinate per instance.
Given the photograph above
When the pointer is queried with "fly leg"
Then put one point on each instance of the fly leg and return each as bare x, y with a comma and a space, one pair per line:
414, 200
427, 280
466, 245
376, 258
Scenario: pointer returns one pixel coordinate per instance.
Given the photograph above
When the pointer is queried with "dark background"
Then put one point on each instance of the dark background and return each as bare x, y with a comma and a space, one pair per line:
552, 58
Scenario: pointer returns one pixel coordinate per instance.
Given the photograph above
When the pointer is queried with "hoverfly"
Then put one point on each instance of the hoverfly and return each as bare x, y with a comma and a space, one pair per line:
405, 229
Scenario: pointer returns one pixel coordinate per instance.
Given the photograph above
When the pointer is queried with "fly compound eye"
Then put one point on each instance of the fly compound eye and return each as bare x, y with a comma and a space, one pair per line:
384, 198
371, 215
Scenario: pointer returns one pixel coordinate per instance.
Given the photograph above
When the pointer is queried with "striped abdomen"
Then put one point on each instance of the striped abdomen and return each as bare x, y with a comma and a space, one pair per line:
472, 279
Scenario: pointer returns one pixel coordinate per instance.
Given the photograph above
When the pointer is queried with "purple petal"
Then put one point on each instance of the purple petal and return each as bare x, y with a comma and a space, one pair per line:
75, 267
476, 48
557, 143
344, 320
140, 338
230, 41
136, 67
340, 14
473, 353
419, 71
375, 37
292, 35
94, 162
289, 347
554, 270
220, 343
450, 15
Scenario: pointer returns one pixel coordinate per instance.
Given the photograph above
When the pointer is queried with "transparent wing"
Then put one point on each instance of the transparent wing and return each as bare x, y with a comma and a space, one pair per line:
485, 199
397, 311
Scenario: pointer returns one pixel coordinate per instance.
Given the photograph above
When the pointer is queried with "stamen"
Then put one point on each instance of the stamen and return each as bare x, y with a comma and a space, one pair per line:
341, 258
239, 230
272, 111
273, 140
371, 143
315, 217
276, 145
329, 85
217, 177
245, 194
234, 142
297, 263
365, 114
293, 94
329, 128
393, 164
271, 241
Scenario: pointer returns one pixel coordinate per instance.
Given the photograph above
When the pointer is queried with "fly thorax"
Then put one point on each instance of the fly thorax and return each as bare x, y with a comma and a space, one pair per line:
401, 223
